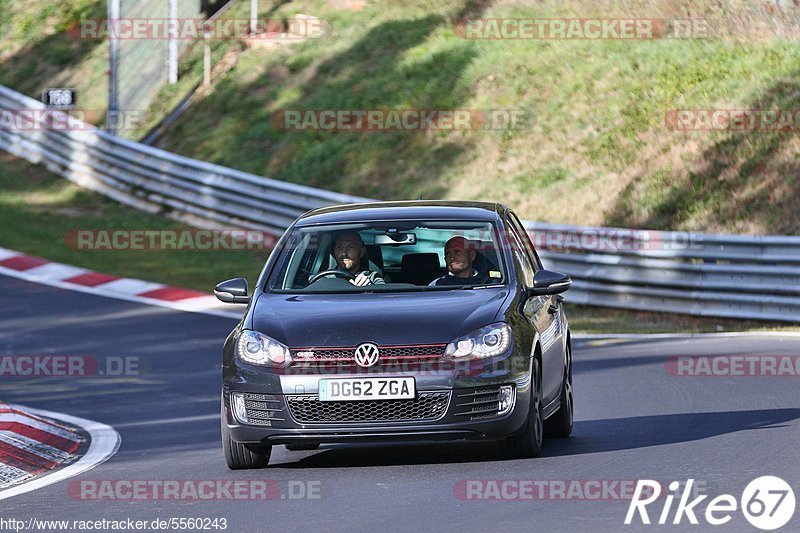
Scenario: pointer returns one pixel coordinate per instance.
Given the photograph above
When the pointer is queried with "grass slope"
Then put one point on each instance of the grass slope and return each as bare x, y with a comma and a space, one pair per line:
37, 51
598, 150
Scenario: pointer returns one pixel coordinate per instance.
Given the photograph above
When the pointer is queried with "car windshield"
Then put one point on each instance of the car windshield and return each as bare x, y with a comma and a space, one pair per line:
392, 256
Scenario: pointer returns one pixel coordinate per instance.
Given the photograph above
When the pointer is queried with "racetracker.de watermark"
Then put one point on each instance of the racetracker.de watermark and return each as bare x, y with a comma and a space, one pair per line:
296, 28
565, 29
402, 119
734, 366
67, 366
545, 489
733, 119
67, 119
169, 240
474, 367
194, 489
611, 240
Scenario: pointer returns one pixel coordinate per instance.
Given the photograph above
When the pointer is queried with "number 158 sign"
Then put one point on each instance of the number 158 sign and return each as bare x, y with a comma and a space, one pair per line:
61, 98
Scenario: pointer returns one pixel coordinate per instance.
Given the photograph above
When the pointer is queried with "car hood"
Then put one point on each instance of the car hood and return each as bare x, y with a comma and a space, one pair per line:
316, 320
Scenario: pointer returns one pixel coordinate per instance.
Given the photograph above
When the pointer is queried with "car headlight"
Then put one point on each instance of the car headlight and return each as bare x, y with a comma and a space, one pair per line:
258, 349
488, 341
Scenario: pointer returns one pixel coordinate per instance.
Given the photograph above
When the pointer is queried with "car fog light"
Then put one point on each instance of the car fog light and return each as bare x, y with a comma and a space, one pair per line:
506, 402
239, 408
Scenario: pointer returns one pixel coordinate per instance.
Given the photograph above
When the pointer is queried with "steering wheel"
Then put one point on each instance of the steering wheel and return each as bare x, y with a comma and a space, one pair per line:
337, 273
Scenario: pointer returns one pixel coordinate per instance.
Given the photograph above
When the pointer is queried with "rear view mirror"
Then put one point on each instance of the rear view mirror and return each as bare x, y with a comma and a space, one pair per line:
394, 239
232, 291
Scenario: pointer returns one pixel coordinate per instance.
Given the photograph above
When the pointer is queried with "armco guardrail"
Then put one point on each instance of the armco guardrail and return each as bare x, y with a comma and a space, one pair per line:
698, 274
157, 180
679, 272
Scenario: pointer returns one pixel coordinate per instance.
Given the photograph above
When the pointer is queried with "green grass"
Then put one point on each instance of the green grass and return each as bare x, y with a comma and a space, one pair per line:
602, 320
598, 151
24, 23
38, 209
37, 51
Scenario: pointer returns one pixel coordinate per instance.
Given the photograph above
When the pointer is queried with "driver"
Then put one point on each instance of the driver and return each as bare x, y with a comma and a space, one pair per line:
348, 250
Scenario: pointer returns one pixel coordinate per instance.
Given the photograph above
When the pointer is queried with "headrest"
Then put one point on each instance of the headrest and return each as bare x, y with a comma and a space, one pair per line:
426, 261
374, 255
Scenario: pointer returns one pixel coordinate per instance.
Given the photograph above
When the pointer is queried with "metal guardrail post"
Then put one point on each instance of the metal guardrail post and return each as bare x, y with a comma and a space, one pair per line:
172, 43
113, 65
253, 17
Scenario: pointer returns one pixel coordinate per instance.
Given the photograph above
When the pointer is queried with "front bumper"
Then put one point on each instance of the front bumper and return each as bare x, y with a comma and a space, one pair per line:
452, 421
458, 421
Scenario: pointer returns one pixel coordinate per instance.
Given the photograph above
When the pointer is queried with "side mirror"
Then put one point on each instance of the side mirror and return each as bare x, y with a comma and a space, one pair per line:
233, 291
546, 282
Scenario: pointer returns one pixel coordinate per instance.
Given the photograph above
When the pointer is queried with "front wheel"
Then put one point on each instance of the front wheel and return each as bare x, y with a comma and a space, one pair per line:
528, 443
560, 424
240, 456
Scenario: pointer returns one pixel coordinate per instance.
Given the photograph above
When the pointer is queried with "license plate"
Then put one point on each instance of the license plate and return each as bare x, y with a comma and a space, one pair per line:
350, 389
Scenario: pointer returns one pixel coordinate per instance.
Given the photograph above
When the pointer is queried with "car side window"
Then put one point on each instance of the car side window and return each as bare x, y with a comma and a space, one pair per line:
521, 256
526, 240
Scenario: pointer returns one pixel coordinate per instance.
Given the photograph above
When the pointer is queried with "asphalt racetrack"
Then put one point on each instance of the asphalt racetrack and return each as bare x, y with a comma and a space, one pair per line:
637, 417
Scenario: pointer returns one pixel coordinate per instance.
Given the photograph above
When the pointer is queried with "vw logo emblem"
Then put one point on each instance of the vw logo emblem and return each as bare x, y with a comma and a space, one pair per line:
367, 355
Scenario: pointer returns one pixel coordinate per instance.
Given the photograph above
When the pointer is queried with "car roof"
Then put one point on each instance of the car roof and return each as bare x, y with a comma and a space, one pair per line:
408, 210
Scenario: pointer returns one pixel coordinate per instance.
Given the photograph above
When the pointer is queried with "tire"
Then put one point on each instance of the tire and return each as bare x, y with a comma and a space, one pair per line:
559, 425
240, 456
528, 443
302, 446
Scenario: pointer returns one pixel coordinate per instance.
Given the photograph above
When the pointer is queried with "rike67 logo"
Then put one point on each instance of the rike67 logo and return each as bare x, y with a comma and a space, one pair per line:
767, 503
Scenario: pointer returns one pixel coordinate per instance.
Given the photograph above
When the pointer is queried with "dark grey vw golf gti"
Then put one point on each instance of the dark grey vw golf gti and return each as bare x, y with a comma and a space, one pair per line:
397, 321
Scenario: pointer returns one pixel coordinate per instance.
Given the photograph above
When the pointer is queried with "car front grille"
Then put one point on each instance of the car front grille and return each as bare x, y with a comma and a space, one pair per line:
307, 409
477, 403
388, 354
